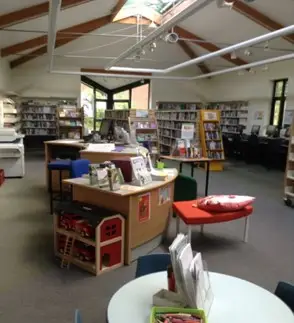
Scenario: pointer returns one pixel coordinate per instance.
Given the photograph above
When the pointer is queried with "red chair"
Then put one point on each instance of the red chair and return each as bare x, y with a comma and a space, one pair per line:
188, 212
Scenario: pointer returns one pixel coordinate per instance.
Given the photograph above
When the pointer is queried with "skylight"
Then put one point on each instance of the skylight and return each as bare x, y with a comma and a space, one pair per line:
160, 6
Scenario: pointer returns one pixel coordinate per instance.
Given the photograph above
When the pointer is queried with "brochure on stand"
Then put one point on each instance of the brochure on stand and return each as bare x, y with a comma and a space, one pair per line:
192, 279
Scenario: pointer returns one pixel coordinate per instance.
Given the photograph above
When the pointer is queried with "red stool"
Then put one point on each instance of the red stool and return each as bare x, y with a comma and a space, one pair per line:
191, 215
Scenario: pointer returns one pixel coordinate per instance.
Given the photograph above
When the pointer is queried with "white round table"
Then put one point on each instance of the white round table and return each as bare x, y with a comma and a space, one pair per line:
235, 301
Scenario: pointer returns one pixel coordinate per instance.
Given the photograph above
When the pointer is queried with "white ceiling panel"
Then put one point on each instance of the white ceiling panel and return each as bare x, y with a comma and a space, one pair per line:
12, 5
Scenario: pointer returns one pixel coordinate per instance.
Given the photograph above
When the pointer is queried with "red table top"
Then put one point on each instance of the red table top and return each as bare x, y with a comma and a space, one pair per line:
193, 215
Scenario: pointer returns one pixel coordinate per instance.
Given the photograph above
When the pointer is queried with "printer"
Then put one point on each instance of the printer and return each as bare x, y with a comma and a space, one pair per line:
11, 153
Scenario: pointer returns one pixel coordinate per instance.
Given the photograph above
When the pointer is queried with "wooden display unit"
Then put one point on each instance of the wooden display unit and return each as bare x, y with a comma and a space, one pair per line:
233, 115
97, 248
170, 118
289, 176
70, 121
211, 138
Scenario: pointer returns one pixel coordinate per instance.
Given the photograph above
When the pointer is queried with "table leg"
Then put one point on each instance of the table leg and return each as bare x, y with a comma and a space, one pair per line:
207, 178
189, 233
246, 229
192, 169
202, 228
177, 224
181, 167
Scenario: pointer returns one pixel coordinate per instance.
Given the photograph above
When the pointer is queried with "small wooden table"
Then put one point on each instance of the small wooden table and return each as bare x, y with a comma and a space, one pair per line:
192, 162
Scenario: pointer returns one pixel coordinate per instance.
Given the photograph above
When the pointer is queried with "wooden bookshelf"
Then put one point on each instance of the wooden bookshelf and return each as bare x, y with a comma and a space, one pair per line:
289, 175
233, 114
70, 120
211, 138
170, 118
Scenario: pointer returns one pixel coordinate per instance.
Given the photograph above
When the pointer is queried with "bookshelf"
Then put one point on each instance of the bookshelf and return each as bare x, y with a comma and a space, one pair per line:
232, 115
211, 138
70, 120
170, 118
9, 114
289, 176
38, 117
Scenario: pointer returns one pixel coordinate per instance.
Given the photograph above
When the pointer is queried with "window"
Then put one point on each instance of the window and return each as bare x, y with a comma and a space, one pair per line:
100, 95
125, 95
279, 102
99, 113
87, 102
121, 105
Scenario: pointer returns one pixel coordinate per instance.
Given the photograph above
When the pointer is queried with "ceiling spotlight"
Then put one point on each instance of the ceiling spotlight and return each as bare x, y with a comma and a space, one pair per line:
152, 25
137, 58
265, 68
152, 46
241, 72
252, 71
266, 46
225, 3
171, 38
247, 52
233, 55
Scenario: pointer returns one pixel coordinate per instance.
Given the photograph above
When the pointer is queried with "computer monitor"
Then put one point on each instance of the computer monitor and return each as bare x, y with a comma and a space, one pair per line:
255, 130
105, 127
271, 131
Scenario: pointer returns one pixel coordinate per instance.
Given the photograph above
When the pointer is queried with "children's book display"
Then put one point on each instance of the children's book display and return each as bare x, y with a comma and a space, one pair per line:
105, 175
192, 279
141, 176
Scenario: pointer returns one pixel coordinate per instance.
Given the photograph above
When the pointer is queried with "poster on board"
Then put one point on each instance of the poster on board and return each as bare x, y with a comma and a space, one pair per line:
187, 131
164, 195
259, 115
144, 208
288, 117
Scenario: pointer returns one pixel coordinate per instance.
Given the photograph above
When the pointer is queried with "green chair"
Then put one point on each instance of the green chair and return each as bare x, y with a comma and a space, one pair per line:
185, 188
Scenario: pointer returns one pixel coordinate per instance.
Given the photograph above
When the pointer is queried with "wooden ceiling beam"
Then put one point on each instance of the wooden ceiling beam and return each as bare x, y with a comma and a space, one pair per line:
25, 14
183, 33
191, 53
86, 27
100, 70
259, 18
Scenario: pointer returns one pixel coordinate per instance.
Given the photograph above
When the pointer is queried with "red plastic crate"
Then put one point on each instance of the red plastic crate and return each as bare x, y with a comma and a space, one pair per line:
2, 177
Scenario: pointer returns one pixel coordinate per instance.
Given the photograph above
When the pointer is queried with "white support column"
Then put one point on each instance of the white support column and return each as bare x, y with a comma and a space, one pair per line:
246, 229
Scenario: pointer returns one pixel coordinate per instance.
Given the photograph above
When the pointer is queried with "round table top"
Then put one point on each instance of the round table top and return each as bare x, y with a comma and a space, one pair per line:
235, 301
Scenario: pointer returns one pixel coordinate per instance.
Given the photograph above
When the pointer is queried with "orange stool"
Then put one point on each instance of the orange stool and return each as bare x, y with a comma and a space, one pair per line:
191, 215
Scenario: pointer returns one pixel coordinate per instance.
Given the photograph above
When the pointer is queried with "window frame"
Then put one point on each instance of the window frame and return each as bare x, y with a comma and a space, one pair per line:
282, 98
110, 101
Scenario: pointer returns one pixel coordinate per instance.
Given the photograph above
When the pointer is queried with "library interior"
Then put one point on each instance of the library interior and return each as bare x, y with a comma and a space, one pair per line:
147, 161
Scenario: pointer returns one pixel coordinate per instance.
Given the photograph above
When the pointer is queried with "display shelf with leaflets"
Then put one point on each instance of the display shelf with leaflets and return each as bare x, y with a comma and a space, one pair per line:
211, 138
289, 175
142, 121
145, 125
9, 114
233, 114
172, 119
70, 120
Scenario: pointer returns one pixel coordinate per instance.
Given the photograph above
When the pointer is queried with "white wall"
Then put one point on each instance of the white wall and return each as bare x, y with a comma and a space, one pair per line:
5, 76
255, 88
39, 83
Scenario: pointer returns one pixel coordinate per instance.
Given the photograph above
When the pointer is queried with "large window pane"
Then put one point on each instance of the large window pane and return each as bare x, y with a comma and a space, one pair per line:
125, 95
87, 102
277, 112
279, 89
121, 105
100, 95
100, 109
140, 97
